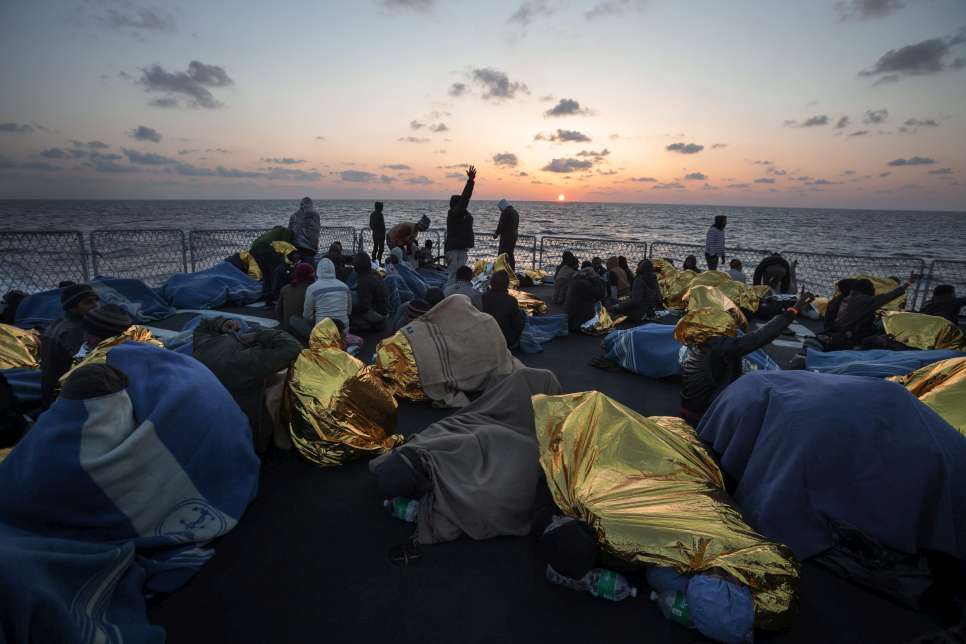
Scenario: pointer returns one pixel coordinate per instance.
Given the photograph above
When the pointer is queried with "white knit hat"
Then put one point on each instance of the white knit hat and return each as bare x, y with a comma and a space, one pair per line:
503, 205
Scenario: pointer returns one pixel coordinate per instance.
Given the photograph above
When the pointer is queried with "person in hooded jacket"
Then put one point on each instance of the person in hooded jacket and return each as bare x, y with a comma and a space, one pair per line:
371, 301
328, 297
305, 227
63, 338
459, 227
377, 224
561, 278
645, 294
586, 289
504, 308
291, 299
618, 282
506, 230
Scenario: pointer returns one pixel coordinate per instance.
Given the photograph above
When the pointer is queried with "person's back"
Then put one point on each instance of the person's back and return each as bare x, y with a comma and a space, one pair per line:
645, 294
464, 286
328, 297
498, 303
774, 272
291, 299
736, 273
377, 224
714, 243
305, 227
944, 303
371, 305
459, 227
585, 290
507, 230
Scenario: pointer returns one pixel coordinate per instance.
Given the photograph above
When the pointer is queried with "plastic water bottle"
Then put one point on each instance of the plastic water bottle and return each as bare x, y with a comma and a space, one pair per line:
403, 509
599, 582
674, 606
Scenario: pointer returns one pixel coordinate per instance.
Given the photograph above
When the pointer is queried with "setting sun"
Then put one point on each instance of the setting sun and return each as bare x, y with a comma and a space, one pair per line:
561, 197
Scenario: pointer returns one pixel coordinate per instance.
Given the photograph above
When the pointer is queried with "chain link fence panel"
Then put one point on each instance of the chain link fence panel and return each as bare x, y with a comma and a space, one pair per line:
552, 249
525, 253
345, 235
365, 241
819, 272
749, 257
943, 272
148, 255
33, 261
208, 247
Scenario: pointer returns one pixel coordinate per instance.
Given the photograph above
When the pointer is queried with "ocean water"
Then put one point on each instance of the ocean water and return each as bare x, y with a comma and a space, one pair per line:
929, 235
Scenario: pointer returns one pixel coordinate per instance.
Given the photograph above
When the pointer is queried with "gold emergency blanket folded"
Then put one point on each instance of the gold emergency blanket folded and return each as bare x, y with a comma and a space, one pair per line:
337, 410
710, 313
536, 275
654, 496
921, 331
941, 386
19, 349
98, 355
602, 323
531, 304
674, 286
395, 365
501, 263
746, 297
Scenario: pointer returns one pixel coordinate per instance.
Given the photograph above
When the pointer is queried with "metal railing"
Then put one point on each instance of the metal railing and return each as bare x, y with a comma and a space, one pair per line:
34, 261
208, 247
148, 255
552, 249
364, 241
749, 257
943, 271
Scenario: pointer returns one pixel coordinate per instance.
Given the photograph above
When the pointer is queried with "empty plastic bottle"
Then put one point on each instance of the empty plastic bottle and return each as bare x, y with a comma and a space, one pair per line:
599, 582
403, 509
674, 606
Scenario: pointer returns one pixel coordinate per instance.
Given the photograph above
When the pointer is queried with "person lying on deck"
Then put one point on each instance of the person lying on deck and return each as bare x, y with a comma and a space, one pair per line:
244, 363
854, 318
645, 295
585, 290
944, 303
101, 323
464, 286
504, 308
63, 338
370, 301
713, 364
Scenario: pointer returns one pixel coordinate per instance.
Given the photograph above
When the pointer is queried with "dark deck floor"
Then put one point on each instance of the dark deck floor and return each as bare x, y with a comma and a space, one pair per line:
309, 562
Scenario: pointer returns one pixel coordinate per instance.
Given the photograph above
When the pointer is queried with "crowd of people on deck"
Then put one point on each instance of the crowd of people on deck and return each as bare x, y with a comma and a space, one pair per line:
377, 293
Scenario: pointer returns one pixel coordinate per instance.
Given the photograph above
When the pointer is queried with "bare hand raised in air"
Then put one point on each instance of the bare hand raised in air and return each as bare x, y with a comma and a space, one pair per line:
471, 172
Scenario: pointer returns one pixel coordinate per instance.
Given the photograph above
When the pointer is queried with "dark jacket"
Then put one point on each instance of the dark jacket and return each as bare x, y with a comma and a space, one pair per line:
243, 367
856, 318
714, 365
277, 233
561, 282
59, 345
372, 294
645, 297
291, 301
774, 260
948, 309
505, 310
509, 225
377, 224
585, 290
459, 221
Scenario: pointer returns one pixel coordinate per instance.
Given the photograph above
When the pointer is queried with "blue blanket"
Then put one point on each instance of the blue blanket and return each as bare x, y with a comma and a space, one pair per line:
219, 285
25, 384
808, 450
878, 363
433, 277
121, 492
541, 330
413, 280
141, 302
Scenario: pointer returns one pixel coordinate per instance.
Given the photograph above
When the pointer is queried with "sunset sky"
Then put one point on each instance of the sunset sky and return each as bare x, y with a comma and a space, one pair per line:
857, 104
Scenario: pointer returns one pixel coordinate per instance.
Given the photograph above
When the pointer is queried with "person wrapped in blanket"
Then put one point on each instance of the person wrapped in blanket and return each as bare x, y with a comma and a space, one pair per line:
850, 316
584, 291
370, 300
274, 257
645, 295
63, 338
247, 362
712, 363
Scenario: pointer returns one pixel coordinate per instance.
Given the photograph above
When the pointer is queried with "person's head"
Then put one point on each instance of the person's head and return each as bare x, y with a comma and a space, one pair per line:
622, 262
454, 200
434, 296
569, 546
325, 269
428, 244
423, 223
613, 262
844, 286
378, 206
395, 255
11, 302
944, 292
500, 282
464, 274
720, 222
735, 264
362, 262
863, 286
335, 249
596, 262
304, 273
78, 299
104, 322
569, 259
644, 267
690, 263
305, 204
503, 205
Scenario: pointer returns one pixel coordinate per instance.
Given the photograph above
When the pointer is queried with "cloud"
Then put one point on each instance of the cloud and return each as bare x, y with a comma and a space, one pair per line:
739, 185
875, 116
820, 182
924, 58
396, 166
612, 8
439, 127
19, 128
320, 138
10, 164
842, 122
192, 84
457, 89
708, 186
147, 158
93, 145
912, 161
567, 107
942, 171
53, 153
564, 136
420, 6
816, 121
289, 174
764, 180
567, 165
496, 84
762, 162
673, 185
597, 154
454, 165
685, 148
883, 175
416, 125
358, 176
145, 133
505, 159
412, 139
283, 160
859, 133
642, 180
455, 175
127, 17
695, 176
775, 171
866, 9
716, 146
531, 9
917, 123
108, 163
419, 181
912, 186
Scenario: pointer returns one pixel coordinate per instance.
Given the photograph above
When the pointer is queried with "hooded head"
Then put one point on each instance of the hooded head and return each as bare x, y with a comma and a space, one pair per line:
423, 223
305, 204
863, 286
453, 200
378, 206
325, 269
691, 263
720, 222
397, 253
645, 268
503, 205
500, 282
569, 259
362, 262
335, 249
612, 263
78, 299
944, 292
304, 274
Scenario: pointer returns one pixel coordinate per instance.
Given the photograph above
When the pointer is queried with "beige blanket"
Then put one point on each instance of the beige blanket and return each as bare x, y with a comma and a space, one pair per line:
458, 349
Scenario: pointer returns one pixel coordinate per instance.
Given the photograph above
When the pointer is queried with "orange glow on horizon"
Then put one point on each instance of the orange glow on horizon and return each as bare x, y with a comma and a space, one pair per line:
561, 197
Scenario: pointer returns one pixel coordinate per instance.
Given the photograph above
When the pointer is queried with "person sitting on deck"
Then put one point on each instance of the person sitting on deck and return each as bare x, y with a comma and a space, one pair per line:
618, 282
598, 265
417, 307
63, 338
504, 308
342, 263
305, 227
404, 236
586, 289
370, 301
425, 257
291, 299
561, 278
691, 264
327, 297
101, 323
775, 272
714, 363
645, 294
464, 286
944, 303
843, 289
244, 362
734, 270
855, 318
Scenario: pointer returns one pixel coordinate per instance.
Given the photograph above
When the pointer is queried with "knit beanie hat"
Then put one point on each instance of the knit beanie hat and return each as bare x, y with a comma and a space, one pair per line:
106, 321
304, 273
503, 205
70, 296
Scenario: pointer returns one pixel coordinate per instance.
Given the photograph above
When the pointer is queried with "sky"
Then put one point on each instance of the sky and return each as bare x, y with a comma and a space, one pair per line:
806, 103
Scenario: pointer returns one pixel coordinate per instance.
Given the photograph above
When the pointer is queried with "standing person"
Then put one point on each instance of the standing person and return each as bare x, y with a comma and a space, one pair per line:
377, 224
506, 230
459, 227
305, 227
63, 338
714, 244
